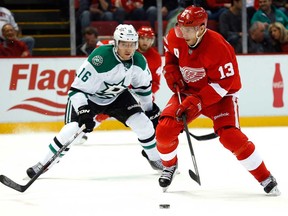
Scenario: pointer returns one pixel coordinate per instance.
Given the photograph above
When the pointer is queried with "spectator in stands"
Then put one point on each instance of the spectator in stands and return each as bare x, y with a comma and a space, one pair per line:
281, 5
11, 46
128, 10
268, 13
215, 8
279, 35
258, 40
145, 47
7, 17
168, 10
90, 37
94, 10
230, 25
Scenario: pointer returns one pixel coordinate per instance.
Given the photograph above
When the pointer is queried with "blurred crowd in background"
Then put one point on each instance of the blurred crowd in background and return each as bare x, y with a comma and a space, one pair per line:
267, 22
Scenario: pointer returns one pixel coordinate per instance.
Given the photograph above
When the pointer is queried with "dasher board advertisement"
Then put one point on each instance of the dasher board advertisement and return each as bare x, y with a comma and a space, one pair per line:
35, 89
264, 85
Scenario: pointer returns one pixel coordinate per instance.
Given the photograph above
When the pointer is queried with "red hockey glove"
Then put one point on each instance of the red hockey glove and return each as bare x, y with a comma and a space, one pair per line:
191, 105
174, 77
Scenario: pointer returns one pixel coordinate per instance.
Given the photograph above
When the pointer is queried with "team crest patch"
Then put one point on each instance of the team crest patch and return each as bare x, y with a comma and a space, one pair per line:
97, 60
192, 74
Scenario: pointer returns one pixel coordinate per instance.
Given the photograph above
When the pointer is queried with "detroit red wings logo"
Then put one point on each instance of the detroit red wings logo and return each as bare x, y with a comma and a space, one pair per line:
192, 74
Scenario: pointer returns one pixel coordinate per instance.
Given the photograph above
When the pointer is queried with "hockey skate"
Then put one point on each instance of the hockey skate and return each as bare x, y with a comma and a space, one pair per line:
31, 172
156, 165
167, 176
270, 186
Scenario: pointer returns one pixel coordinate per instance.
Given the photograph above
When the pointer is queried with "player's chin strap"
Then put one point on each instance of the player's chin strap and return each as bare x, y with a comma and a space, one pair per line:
199, 38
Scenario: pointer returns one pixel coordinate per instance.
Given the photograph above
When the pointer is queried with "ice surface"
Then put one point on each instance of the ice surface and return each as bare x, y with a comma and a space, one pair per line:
107, 175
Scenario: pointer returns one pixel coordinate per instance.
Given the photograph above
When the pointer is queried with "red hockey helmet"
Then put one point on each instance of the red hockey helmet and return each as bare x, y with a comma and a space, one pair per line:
192, 16
146, 31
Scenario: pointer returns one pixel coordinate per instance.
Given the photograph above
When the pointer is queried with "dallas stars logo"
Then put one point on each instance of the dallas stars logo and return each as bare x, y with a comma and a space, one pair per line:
113, 89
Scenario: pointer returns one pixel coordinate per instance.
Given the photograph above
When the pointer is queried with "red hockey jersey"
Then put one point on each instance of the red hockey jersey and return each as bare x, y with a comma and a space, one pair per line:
154, 62
210, 70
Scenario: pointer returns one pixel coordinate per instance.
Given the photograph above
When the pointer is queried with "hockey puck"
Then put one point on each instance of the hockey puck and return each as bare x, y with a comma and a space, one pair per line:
164, 206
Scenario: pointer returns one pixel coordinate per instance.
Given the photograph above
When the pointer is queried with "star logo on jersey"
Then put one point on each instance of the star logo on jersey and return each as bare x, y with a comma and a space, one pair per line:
97, 60
113, 89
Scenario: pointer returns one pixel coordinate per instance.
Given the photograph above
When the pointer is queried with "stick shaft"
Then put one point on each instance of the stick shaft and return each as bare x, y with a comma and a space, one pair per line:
194, 175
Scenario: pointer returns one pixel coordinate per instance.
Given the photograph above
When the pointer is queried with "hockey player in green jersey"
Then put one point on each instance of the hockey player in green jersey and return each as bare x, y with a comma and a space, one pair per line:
103, 85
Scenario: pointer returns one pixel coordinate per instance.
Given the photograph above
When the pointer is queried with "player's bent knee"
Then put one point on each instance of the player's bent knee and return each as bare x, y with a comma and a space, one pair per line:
233, 139
67, 132
164, 134
141, 125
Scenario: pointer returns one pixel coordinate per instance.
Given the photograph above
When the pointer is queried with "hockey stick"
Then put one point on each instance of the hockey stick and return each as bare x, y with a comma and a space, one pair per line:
21, 188
194, 175
204, 137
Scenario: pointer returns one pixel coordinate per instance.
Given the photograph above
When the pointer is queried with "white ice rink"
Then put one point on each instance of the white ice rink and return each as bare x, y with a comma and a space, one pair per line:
108, 176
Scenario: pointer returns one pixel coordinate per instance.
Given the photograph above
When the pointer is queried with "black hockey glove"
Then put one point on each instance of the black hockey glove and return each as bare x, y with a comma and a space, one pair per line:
154, 115
86, 117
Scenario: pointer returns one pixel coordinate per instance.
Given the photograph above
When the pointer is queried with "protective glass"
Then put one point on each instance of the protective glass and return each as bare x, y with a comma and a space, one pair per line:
182, 31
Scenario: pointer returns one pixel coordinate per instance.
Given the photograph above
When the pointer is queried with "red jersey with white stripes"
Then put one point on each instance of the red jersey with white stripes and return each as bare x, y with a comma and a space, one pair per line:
210, 70
154, 62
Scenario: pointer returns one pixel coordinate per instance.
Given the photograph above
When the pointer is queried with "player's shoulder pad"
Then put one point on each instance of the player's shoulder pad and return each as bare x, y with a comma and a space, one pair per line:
171, 40
103, 58
171, 35
215, 42
139, 60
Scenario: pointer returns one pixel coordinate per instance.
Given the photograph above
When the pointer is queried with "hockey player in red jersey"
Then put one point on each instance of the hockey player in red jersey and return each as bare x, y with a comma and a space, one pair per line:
204, 67
146, 41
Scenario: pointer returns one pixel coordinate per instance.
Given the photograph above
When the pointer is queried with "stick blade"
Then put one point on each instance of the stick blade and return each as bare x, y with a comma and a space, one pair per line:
10, 183
194, 177
204, 137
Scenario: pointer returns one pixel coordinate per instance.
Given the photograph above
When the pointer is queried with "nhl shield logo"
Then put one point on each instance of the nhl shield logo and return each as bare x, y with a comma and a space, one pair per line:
97, 60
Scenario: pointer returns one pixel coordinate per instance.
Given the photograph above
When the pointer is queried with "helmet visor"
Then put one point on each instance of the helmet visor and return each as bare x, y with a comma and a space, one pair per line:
185, 32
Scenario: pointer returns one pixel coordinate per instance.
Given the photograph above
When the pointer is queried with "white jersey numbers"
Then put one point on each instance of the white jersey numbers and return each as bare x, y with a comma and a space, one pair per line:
226, 71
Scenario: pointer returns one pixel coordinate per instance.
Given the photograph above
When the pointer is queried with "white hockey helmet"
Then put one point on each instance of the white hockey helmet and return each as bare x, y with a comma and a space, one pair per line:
125, 32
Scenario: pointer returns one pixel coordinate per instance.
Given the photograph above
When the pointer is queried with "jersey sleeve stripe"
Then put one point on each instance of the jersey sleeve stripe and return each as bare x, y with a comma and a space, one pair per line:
217, 88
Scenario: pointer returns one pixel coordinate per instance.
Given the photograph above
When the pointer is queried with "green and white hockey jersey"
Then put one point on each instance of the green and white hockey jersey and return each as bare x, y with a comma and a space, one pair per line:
103, 77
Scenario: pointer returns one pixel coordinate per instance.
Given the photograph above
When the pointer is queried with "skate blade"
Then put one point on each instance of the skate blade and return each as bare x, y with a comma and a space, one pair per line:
164, 189
274, 192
